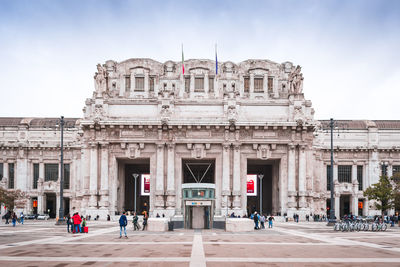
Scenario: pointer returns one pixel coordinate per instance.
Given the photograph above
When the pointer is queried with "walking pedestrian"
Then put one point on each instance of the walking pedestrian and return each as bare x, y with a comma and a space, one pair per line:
135, 222
262, 220
14, 219
8, 217
77, 222
122, 225
270, 219
69, 223
22, 217
255, 218
145, 217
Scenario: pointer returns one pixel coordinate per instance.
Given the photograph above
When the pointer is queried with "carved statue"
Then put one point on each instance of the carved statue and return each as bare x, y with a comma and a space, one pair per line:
100, 79
296, 81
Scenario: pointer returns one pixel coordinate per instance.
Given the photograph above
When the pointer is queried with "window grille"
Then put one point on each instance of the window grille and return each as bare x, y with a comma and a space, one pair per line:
51, 172
127, 83
270, 84
66, 176
11, 175
151, 84
246, 84
139, 84
1, 171
396, 169
35, 175
211, 84
187, 84
199, 84
258, 85
344, 173
328, 177
360, 177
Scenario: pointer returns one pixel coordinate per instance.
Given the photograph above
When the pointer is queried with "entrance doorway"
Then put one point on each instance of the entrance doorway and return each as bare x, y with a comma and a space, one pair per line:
141, 169
51, 204
255, 168
66, 206
344, 205
198, 217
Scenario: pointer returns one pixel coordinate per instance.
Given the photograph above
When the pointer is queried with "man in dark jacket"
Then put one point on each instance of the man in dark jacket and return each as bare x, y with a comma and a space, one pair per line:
122, 224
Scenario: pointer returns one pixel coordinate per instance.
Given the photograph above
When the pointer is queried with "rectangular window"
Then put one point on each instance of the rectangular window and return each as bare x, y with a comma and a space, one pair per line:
151, 84
384, 170
328, 177
187, 84
11, 175
270, 84
396, 169
199, 84
344, 173
258, 85
139, 84
360, 177
127, 83
50, 172
1, 171
66, 176
211, 84
35, 175
246, 84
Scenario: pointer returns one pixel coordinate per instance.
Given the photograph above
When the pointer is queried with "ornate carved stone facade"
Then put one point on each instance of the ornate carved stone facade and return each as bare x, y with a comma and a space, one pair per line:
149, 117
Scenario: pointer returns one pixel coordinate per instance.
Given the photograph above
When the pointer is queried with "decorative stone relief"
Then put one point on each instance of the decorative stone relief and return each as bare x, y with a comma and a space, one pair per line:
296, 81
100, 80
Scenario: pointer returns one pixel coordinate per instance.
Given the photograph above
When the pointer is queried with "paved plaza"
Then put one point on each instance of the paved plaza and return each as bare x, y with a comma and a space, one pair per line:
287, 244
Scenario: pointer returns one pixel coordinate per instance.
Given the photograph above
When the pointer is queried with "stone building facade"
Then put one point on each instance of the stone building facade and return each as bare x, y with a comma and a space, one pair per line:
191, 140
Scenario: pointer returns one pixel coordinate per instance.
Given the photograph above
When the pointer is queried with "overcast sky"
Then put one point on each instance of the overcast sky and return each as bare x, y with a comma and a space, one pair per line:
349, 50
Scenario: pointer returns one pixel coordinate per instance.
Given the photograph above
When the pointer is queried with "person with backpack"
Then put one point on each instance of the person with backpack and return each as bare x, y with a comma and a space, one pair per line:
270, 219
122, 224
77, 222
145, 217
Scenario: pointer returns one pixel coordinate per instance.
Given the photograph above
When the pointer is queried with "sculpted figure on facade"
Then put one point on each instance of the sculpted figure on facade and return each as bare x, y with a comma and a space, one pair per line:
296, 81
100, 80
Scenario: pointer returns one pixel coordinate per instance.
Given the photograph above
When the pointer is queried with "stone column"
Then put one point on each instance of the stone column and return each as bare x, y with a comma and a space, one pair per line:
265, 86
21, 171
171, 176
335, 173
5, 172
93, 176
104, 192
58, 204
225, 176
354, 196
146, 83
302, 176
283, 178
159, 202
40, 204
133, 84
275, 87
236, 177
291, 176
337, 205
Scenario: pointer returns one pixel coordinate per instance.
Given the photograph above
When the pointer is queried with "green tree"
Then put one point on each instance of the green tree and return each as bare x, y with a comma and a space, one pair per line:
10, 197
383, 193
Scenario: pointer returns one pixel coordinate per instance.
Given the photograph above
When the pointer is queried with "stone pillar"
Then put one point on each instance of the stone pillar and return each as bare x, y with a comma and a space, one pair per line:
291, 176
104, 192
171, 177
354, 196
58, 205
283, 178
236, 177
21, 171
133, 84
335, 173
225, 177
5, 172
93, 176
275, 87
146, 83
159, 202
337, 206
390, 169
302, 176
40, 204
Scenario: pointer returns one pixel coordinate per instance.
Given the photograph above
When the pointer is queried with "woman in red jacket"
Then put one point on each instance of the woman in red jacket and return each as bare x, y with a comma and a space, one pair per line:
77, 222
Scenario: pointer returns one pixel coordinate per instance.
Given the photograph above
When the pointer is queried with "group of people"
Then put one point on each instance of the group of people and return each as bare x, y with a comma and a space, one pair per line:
76, 223
123, 223
14, 218
260, 219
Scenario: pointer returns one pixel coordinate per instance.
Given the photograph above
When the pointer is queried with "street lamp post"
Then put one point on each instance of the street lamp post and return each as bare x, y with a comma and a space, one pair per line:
61, 211
332, 219
135, 175
261, 176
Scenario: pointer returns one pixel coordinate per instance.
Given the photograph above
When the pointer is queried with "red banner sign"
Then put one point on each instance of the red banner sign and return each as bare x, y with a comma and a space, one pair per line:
252, 184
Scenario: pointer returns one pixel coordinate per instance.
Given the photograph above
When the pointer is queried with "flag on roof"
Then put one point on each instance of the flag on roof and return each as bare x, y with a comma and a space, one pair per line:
183, 65
216, 60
